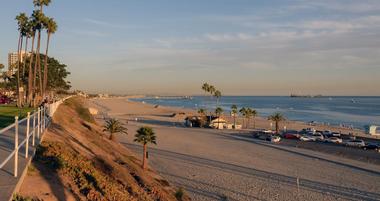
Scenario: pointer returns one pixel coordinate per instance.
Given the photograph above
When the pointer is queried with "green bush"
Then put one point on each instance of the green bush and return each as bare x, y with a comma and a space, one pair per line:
179, 193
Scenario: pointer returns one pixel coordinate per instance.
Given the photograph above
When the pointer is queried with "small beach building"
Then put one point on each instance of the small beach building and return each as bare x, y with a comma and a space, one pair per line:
218, 123
372, 130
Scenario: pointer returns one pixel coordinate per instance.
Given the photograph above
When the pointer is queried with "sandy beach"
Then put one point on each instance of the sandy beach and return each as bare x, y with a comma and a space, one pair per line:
220, 164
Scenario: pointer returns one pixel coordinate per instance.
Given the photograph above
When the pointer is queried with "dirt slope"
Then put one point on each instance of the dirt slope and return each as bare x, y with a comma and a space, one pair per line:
78, 162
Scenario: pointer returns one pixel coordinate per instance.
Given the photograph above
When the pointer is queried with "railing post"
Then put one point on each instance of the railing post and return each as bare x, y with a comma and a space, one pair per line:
34, 128
27, 135
16, 147
38, 123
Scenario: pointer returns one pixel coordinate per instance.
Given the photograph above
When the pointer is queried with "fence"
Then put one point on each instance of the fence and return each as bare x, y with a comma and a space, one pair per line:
34, 126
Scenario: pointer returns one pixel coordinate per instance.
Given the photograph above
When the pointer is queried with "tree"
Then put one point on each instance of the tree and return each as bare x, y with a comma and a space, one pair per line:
144, 136
205, 87
218, 113
254, 115
217, 95
114, 126
234, 112
211, 89
51, 27
32, 33
277, 118
22, 21
202, 111
243, 112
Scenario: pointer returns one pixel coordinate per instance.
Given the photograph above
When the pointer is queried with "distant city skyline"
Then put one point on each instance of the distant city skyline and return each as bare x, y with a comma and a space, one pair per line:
244, 47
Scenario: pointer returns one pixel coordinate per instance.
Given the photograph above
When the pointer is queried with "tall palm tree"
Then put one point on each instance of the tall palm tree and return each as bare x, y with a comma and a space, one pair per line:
234, 112
205, 87
144, 136
32, 33
254, 114
277, 118
243, 112
39, 4
114, 126
248, 115
22, 21
202, 111
51, 28
217, 95
211, 89
218, 113
38, 18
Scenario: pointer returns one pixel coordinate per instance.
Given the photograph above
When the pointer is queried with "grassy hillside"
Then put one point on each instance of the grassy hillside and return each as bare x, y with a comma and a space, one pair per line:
92, 167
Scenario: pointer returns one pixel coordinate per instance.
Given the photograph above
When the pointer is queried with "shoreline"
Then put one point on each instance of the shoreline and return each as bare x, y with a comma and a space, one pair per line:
259, 122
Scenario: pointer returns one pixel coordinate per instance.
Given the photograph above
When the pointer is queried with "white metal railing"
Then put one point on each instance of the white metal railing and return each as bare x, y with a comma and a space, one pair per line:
40, 121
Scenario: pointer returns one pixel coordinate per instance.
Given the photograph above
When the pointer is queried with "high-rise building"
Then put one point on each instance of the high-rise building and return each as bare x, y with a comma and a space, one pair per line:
13, 59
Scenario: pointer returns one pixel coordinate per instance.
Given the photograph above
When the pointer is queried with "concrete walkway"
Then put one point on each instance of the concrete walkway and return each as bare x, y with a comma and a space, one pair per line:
9, 183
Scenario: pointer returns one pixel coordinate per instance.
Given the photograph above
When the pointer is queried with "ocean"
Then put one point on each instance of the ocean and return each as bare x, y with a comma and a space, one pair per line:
340, 110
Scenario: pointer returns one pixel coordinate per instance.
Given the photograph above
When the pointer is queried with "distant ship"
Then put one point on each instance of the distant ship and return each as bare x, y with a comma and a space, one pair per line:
305, 96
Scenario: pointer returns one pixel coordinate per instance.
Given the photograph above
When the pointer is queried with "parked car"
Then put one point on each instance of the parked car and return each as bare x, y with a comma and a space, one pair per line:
291, 134
335, 134
372, 146
5, 100
355, 143
334, 140
307, 138
318, 137
275, 138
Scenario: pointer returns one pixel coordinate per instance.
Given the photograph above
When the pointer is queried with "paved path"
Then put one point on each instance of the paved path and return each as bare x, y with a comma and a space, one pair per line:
7, 180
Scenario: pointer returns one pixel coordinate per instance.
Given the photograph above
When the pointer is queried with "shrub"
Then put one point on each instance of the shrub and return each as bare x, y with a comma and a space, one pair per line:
179, 193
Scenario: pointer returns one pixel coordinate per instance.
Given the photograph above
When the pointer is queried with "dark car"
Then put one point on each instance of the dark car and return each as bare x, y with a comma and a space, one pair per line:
5, 100
371, 146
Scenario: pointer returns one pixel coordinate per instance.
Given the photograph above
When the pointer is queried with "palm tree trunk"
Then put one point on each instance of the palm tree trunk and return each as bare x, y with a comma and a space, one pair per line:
30, 76
277, 127
234, 121
23, 70
39, 62
144, 157
18, 74
46, 64
254, 123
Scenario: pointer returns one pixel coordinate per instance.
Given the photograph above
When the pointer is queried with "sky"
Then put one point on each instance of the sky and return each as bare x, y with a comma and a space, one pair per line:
243, 47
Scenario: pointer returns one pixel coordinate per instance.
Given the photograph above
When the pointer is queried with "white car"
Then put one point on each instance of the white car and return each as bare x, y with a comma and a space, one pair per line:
355, 143
318, 137
307, 138
275, 138
334, 140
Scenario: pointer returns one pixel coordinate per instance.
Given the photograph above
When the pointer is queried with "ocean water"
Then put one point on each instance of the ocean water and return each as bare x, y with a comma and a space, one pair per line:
342, 110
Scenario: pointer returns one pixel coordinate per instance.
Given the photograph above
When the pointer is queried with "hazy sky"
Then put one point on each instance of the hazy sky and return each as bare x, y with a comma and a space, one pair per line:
245, 47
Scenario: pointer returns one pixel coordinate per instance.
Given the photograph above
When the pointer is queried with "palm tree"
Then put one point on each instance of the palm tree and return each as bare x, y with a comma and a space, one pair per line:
254, 114
144, 136
32, 33
217, 95
277, 118
202, 111
211, 89
243, 112
22, 21
40, 17
248, 115
114, 126
51, 28
234, 112
205, 87
218, 113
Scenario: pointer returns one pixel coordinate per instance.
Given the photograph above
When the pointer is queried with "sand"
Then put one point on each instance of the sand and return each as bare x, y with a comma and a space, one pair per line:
220, 165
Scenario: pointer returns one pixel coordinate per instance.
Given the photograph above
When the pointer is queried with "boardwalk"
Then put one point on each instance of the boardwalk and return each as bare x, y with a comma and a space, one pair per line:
8, 182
